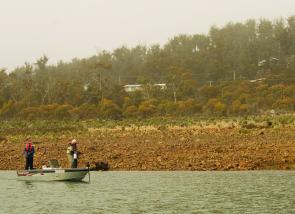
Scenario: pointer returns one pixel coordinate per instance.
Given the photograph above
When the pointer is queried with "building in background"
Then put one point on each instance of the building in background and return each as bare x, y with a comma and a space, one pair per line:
132, 88
139, 87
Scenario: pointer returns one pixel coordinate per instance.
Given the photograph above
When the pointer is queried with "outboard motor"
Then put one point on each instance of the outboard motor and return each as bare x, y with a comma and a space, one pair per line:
103, 166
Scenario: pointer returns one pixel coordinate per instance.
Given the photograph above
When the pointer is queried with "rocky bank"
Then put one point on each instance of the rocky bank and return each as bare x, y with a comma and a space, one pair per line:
168, 148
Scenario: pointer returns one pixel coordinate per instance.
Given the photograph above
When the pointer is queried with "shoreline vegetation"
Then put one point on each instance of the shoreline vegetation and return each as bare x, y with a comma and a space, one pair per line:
237, 69
195, 143
183, 105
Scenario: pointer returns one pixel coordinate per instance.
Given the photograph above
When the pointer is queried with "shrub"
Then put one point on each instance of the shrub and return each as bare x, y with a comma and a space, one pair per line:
86, 111
131, 111
286, 103
30, 113
188, 107
63, 112
146, 109
166, 108
109, 109
8, 110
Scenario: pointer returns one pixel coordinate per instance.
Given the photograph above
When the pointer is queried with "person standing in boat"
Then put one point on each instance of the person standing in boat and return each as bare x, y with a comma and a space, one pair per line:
70, 154
29, 152
75, 153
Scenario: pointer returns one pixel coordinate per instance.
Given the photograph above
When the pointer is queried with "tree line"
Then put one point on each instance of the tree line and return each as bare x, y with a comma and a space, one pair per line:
237, 69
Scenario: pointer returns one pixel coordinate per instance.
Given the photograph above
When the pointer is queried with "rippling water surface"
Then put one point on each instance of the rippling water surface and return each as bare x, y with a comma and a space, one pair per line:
154, 192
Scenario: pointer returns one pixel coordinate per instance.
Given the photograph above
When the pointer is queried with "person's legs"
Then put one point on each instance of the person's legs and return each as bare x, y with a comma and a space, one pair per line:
75, 163
27, 163
70, 159
31, 162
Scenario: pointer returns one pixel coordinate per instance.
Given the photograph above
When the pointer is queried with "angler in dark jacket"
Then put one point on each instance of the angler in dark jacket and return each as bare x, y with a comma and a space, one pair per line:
29, 154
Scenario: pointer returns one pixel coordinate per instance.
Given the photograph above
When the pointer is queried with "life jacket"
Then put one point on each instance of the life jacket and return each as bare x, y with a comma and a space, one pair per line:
29, 147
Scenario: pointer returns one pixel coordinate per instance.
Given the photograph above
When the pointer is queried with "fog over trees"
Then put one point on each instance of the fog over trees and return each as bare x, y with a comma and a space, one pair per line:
238, 69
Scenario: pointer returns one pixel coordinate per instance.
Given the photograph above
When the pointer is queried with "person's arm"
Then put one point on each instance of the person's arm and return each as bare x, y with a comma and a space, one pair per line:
26, 153
30, 153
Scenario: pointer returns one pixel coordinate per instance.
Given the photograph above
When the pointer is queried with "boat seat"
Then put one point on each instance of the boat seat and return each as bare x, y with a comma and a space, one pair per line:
54, 163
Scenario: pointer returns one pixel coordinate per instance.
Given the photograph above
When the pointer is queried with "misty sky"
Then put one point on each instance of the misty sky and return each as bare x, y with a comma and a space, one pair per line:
64, 29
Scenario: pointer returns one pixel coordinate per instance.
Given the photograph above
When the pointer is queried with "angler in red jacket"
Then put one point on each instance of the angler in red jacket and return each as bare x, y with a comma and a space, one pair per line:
29, 154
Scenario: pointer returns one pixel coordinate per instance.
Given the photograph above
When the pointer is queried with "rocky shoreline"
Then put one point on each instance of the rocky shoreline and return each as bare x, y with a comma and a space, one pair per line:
172, 148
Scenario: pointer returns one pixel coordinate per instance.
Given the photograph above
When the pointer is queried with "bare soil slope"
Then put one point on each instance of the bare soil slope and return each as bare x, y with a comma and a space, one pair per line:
171, 148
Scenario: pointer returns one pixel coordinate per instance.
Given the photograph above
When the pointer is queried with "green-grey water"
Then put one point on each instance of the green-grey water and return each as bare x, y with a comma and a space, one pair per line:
154, 192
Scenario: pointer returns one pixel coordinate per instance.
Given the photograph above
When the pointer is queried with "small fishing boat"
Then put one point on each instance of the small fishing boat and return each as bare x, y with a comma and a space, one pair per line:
59, 174
53, 173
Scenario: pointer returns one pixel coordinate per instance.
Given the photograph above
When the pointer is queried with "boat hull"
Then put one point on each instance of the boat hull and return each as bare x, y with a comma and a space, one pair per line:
53, 174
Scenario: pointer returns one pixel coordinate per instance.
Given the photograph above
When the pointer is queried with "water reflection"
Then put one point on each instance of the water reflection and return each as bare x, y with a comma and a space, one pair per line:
71, 185
28, 184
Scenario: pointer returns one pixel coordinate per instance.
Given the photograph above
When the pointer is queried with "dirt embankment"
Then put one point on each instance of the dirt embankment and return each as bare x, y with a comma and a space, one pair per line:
172, 148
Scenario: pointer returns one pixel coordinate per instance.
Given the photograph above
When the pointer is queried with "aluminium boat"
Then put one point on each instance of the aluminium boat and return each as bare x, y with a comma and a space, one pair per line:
53, 173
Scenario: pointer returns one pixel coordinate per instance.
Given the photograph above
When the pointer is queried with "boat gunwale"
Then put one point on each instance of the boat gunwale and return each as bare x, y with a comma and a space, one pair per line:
51, 170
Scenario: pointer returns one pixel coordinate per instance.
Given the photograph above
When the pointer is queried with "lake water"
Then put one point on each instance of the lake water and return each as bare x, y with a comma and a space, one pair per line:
154, 192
